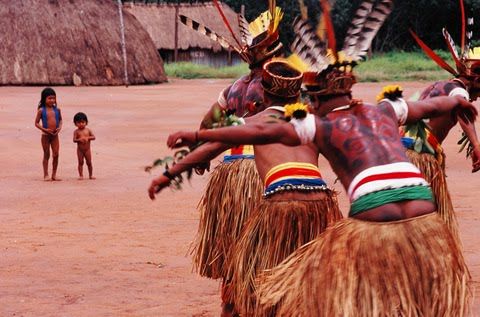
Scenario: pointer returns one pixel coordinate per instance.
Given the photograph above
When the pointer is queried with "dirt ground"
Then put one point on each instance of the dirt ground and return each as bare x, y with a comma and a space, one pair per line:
101, 247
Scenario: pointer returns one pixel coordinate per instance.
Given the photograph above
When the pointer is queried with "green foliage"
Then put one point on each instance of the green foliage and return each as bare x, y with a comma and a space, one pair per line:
192, 71
167, 162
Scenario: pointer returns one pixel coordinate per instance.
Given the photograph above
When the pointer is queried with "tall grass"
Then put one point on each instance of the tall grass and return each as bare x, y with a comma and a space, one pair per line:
393, 66
402, 66
192, 71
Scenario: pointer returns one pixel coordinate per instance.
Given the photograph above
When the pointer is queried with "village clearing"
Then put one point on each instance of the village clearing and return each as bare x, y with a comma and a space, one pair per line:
101, 247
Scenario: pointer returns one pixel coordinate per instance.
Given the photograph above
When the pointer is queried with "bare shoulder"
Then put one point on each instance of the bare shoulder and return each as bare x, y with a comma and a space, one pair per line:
272, 115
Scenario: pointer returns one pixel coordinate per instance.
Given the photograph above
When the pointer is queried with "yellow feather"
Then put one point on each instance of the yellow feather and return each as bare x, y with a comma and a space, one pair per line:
303, 10
277, 18
321, 28
259, 25
474, 53
265, 22
272, 4
296, 62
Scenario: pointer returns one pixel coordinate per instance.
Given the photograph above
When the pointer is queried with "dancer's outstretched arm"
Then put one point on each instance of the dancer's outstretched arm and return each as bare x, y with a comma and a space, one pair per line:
252, 133
203, 153
433, 107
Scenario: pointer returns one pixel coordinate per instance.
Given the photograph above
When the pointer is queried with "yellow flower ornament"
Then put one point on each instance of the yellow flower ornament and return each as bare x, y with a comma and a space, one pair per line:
296, 110
391, 92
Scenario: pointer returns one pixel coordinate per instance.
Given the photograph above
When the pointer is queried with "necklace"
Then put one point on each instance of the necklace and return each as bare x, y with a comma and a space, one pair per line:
352, 103
341, 108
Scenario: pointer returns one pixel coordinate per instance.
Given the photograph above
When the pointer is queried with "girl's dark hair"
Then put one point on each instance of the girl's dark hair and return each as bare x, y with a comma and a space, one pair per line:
45, 93
80, 117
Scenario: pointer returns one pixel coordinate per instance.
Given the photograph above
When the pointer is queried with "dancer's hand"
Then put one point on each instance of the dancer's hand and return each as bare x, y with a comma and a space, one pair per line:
466, 111
157, 185
476, 159
182, 138
201, 168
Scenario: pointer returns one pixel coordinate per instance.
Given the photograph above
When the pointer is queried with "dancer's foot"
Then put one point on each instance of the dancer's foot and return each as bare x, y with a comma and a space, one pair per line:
93, 177
55, 179
80, 178
46, 178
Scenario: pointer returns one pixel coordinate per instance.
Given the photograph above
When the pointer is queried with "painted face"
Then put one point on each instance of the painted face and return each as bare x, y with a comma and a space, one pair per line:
51, 100
81, 124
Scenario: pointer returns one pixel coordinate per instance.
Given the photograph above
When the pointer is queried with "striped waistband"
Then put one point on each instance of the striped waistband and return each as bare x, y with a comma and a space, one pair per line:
389, 176
293, 176
239, 152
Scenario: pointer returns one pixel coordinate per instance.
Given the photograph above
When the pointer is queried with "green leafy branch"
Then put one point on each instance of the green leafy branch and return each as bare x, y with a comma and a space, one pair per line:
169, 161
464, 142
221, 118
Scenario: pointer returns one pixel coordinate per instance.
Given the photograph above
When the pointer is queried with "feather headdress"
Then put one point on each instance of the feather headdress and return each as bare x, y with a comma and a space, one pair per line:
467, 61
330, 71
259, 39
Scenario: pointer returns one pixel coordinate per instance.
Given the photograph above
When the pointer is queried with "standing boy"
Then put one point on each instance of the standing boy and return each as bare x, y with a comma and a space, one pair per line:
82, 136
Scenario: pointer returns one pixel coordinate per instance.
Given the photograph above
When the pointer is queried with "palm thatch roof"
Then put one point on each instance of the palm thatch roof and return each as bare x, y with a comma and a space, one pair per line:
53, 42
159, 21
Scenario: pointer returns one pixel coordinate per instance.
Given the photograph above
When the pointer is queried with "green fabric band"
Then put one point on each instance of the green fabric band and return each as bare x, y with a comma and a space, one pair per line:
383, 197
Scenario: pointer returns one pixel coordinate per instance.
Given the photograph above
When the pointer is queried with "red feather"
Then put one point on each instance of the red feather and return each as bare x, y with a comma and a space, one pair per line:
332, 42
462, 7
225, 20
437, 59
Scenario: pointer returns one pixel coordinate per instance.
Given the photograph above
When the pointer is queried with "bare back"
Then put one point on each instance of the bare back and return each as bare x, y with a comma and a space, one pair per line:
245, 93
358, 138
362, 137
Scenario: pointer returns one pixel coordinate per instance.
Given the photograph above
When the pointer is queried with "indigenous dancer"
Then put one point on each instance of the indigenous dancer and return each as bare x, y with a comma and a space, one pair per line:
297, 204
223, 207
423, 139
394, 256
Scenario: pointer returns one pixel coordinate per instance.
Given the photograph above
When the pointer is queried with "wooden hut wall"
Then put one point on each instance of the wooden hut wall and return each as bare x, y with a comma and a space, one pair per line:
159, 21
202, 56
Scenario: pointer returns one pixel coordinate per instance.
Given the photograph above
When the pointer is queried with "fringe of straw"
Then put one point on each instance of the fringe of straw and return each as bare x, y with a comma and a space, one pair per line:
435, 174
274, 231
232, 192
409, 268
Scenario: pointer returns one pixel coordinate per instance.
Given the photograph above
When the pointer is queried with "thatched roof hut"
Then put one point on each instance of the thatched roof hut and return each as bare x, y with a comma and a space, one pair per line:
159, 21
57, 42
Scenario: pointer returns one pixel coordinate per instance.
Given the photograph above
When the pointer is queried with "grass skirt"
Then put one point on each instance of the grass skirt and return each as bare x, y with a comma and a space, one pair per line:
232, 192
434, 173
357, 268
274, 231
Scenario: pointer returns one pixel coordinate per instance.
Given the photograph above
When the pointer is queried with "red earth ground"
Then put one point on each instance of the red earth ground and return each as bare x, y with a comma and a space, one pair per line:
101, 247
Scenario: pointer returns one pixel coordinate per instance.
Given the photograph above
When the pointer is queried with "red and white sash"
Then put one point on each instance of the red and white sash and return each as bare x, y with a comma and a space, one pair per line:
389, 176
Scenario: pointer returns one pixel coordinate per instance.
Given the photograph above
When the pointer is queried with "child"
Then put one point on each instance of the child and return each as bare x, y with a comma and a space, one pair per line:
51, 125
82, 136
